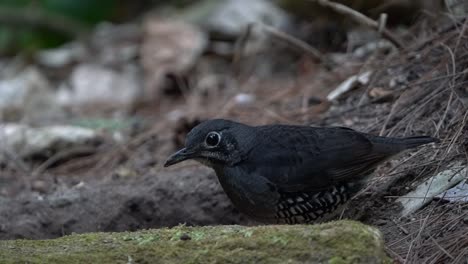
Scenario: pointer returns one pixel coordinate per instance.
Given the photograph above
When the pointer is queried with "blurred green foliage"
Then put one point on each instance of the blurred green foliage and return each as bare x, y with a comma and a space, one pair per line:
28, 37
87, 11
82, 9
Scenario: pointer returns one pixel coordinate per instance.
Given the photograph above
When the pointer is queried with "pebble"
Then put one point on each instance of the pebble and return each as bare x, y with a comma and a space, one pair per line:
185, 237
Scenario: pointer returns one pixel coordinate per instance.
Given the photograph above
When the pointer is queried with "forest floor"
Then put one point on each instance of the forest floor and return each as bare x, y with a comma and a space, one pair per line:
420, 90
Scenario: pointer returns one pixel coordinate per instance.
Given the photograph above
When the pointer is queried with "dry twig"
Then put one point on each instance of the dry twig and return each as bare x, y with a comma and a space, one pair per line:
362, 19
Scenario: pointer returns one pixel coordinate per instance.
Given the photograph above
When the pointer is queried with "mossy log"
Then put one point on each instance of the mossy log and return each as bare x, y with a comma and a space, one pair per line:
334, 242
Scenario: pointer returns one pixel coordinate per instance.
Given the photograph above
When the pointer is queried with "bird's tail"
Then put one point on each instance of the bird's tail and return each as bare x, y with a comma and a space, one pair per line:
412, 142
396, 145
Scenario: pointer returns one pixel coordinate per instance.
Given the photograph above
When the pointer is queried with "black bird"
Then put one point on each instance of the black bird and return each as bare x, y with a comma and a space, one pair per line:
289, 174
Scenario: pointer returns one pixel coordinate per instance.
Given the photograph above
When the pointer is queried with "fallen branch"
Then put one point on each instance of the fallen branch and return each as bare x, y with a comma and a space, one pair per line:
313, 52
424, 193
362, 19
349, 84
294, 42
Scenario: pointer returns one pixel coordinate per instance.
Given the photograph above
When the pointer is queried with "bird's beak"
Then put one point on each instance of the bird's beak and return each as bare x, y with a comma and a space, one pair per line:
179, 156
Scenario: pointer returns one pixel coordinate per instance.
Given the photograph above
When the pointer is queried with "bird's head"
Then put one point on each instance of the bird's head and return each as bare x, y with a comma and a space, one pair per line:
216, 142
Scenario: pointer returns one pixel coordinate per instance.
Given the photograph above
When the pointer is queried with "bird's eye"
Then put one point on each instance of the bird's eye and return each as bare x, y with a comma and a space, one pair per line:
212, 139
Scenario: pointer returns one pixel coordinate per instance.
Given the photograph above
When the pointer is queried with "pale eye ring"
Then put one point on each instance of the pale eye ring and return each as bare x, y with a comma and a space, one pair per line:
212, 139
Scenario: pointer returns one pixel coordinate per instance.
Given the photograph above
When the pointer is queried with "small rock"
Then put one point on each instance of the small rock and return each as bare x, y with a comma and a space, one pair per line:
400, 79
62, 56
26, 141
65, 198
124, 172
169, 48
79, 185
175, 115
244, 99
230, 17
348, 122
27, 96
92, 84
39, 186
116, 44
185, 237
61, 202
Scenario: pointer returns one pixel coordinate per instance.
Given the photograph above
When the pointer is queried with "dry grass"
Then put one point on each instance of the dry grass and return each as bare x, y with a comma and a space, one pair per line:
431, 99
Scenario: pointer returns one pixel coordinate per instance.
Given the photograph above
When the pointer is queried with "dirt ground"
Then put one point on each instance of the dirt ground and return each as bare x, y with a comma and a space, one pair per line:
189, 196
125, 188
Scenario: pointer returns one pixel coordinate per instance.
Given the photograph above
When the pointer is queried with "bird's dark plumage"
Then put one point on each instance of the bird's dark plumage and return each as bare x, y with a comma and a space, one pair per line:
285, 173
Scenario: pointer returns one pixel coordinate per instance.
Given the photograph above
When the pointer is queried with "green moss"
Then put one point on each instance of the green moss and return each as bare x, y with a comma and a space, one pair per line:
335, 243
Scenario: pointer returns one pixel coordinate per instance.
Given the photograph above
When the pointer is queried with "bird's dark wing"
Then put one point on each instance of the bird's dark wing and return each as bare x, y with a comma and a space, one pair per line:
307, 158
